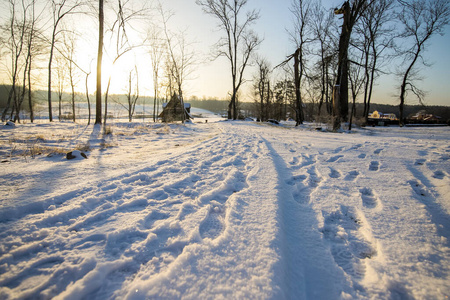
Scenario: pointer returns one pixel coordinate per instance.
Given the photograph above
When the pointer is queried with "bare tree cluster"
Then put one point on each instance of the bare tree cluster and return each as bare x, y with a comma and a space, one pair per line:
337, 54
340, 53
274, 99
238, 42
23, 45
34, 38
262, 89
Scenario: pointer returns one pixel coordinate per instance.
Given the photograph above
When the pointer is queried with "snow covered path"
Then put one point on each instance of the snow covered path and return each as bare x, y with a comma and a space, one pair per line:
233, 210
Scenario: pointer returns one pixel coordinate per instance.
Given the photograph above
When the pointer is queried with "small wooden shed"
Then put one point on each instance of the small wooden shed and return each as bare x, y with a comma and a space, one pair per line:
174, 111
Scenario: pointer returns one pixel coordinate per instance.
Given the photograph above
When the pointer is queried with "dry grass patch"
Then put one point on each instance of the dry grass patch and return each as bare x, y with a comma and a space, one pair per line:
83, 147
105, 144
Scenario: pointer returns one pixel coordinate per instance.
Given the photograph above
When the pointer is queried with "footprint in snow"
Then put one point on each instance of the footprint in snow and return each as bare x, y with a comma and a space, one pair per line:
439, 174
420, 161
214, 224
295, 179
362, 156
151, 218
348, 245
335, 158
422, 152
369, 198
294, 161
352, 175
138, 179
89, 241
378, 151
314, 178
374, 165
334, 173
338, 149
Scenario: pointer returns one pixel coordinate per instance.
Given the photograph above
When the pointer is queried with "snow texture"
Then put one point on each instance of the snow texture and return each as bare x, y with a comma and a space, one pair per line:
229, 210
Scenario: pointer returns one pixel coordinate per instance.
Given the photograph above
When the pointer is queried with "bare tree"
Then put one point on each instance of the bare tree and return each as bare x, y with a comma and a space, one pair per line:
261, 87
301, 35
60, 9
156, 51
322, 23
377, 36
86, 85
22, 43
284, 93
34, 48
61, 80
239, 41
168, 84
119, 35
98, 93
421, 19
180, 58
17, 28
132, 94
68, 51
351, 11
357, 80
87, 73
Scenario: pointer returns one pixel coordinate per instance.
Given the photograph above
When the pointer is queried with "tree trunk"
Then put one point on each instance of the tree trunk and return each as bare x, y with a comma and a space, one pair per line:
402, 102
230, 107
298, 100
73, 104
106, 99
336, 108
342, 74
49, 87
154, 107
98, 99
88, 100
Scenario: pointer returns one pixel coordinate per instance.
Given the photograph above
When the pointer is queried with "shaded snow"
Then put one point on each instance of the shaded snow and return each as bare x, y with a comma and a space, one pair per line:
224, 210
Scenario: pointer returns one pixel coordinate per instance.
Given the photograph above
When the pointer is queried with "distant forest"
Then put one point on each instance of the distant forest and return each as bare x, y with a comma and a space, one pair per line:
220, 106
248, 109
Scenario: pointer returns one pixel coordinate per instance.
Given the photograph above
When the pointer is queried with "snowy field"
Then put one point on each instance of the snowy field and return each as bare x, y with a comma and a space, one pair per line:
230, 210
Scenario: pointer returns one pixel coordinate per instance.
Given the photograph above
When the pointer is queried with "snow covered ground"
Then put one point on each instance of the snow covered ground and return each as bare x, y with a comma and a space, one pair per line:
224, 210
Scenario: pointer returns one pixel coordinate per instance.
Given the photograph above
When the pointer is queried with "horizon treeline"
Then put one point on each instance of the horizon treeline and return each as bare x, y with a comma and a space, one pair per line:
248, 109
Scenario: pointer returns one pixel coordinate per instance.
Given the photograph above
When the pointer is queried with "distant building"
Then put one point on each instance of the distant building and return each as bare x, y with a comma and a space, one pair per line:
423, 116
174, 111
379, 115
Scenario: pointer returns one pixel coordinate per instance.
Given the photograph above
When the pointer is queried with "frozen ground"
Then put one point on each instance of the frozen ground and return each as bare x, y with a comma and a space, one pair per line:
224, 210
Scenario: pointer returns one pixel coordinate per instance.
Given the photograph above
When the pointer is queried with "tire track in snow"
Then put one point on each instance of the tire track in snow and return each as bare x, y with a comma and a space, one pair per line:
424, 192
214, 224
306, 260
